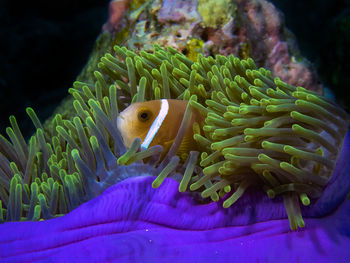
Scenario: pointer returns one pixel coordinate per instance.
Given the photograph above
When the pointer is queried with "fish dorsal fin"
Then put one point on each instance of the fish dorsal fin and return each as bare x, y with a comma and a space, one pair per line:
164, 108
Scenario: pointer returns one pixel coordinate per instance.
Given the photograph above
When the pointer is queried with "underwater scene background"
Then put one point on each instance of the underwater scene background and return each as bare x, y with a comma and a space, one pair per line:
270, 161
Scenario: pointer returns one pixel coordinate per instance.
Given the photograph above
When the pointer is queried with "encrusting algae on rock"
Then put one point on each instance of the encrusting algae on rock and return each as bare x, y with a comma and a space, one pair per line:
257, 132
215, 13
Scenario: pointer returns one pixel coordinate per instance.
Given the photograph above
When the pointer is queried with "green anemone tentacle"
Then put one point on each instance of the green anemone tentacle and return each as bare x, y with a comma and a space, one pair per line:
258, 130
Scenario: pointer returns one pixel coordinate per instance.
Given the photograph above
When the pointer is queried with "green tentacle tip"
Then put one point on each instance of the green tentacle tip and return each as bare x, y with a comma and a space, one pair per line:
270, 193
304, 199
226, 204
94, 143
135, 145
75, 154
37, 213
141, 89
195, 186
170, 167
301, 222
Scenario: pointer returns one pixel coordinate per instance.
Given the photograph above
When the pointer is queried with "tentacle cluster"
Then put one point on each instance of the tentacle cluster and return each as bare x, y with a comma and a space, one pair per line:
38, 179
258, 130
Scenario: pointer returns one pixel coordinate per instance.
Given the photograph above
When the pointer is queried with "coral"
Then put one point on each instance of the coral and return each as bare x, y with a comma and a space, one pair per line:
253, 28
258, 131
116, 11
215, 13
194, 48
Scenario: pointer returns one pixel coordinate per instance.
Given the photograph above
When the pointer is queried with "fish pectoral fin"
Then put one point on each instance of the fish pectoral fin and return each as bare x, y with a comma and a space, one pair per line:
186, 146
167, 145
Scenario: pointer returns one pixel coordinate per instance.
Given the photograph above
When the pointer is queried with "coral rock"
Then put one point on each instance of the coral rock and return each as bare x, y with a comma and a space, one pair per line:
253, 28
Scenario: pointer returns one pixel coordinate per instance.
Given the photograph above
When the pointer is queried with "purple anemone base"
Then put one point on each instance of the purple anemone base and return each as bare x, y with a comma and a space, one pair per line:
132, 222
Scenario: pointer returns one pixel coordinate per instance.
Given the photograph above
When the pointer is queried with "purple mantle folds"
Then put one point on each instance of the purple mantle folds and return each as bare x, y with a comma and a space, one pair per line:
132, 222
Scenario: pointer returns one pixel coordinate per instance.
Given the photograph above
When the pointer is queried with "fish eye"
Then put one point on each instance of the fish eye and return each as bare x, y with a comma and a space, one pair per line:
144, 115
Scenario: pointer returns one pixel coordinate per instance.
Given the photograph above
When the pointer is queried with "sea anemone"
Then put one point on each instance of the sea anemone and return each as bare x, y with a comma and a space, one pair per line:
259, 132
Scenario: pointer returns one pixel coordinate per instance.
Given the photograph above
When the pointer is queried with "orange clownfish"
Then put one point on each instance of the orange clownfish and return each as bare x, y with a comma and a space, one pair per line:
157, 122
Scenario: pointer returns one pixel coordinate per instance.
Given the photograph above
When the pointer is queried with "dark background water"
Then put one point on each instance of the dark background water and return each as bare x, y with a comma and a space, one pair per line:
45, 44
322, 28
43, 47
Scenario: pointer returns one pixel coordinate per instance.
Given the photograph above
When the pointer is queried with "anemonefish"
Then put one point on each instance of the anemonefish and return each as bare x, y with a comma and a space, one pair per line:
157, 122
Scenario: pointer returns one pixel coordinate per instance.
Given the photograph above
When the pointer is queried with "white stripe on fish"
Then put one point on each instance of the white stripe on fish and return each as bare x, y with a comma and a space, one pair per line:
156, 124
